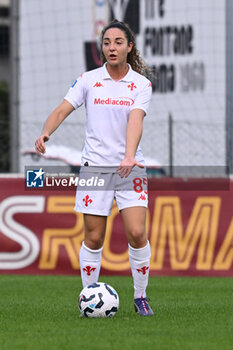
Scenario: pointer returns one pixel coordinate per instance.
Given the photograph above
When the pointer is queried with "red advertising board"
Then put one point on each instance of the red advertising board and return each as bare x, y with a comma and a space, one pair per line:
189, 225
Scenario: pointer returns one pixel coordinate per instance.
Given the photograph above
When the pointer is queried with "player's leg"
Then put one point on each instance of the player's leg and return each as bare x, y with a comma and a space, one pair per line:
134, 219
96, 205
91, 249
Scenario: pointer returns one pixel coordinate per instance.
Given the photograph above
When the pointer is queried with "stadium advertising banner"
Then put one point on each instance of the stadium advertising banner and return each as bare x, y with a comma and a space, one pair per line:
184, 42
189, 225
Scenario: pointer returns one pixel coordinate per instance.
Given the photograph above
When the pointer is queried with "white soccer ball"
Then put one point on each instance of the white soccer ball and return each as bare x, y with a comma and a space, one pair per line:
98, 300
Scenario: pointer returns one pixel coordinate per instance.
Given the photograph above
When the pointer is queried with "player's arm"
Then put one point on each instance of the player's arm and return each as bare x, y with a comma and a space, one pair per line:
133, 137
52, 123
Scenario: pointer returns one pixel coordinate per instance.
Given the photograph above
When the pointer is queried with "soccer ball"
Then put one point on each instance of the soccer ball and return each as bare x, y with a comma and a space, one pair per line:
98, 300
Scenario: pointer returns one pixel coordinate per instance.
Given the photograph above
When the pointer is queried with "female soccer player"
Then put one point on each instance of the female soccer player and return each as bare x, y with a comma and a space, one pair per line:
117, 97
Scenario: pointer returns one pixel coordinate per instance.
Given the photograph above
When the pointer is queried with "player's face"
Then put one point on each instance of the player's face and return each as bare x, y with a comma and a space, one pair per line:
116, 47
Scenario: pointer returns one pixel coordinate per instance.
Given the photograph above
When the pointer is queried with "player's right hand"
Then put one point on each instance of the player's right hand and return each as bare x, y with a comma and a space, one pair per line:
40, 143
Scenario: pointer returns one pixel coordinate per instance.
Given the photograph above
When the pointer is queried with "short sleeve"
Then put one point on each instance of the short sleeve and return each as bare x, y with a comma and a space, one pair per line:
77, 93
143, 98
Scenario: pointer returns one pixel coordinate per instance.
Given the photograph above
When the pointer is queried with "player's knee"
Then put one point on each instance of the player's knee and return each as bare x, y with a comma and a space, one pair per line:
137, 237
94, 241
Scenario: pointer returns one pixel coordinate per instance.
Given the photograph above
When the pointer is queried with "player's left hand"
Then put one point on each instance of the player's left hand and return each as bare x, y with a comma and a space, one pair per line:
127, 165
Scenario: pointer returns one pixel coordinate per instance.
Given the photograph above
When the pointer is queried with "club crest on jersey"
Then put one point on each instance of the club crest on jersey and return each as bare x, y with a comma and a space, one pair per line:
132, 86
98, 84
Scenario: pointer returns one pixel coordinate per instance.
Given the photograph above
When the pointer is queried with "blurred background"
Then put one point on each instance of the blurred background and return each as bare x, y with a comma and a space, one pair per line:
4, 86
45, 45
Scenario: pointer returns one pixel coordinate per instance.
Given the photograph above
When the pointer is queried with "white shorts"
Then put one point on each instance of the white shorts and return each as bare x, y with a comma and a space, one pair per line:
98, 187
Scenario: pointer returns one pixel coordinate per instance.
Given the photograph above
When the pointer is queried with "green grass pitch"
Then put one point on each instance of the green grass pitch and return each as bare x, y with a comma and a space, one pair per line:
41, 312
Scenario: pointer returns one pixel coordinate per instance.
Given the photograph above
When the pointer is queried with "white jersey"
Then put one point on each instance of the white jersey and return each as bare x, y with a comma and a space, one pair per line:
108, 105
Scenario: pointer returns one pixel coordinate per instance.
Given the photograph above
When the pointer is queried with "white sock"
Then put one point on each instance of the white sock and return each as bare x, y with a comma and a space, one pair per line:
90, 262
139, 261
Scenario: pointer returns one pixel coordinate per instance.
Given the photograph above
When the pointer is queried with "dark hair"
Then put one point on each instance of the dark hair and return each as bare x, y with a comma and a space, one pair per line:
133, 57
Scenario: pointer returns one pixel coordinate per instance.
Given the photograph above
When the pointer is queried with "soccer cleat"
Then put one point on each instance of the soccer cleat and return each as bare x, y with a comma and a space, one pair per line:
142, 307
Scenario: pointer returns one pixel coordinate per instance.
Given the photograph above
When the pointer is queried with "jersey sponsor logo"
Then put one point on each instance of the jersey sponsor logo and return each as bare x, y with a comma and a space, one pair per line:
132, 86
98, 84
120, 101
